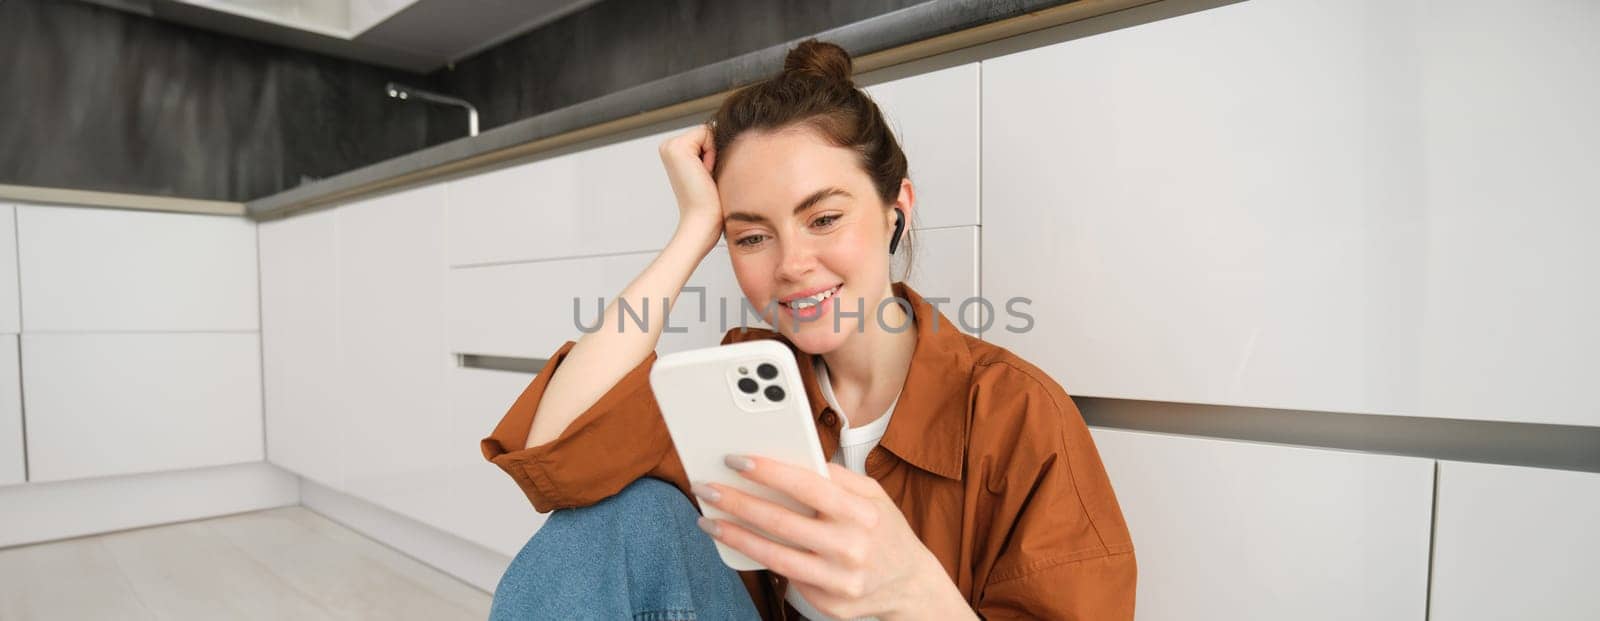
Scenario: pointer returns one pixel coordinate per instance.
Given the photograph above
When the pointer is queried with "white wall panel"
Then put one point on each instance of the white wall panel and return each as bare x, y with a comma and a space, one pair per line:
105, 404
1239, 530
305, 414
88, 269
1516, 543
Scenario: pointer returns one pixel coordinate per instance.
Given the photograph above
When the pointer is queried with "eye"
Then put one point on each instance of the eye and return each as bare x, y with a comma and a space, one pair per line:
825, 220
747, 240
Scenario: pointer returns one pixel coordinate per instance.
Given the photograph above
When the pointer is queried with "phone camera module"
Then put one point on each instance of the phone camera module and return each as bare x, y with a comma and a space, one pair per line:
767, 371
774, 393
748, 385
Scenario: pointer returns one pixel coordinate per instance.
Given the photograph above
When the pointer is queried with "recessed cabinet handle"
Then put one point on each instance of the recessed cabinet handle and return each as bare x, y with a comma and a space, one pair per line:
501, 363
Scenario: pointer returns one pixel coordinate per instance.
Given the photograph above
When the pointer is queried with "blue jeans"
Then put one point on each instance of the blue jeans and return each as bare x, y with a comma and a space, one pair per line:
636, 555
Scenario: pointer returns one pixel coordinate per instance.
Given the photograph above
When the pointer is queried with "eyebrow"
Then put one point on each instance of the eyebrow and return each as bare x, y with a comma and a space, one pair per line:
814, 198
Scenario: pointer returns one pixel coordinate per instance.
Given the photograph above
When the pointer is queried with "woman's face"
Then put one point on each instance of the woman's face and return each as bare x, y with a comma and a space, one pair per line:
801, 217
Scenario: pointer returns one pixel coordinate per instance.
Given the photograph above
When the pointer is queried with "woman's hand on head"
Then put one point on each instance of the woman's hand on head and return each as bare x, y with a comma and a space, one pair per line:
688, 158
857, 557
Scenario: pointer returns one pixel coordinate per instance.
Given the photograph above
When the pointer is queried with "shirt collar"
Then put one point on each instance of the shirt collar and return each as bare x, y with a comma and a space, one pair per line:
928, 428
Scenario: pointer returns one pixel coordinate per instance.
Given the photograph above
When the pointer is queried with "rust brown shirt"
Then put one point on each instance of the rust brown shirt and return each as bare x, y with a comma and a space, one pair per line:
986, 455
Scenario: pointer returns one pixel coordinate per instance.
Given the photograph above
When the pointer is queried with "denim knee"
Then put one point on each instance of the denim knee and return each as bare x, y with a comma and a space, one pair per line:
634, 555
648, 499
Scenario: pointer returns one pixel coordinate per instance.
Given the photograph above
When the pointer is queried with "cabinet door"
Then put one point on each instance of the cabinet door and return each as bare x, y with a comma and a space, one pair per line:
86, 269
946, 266
935, 119
108, 404
528, 309
1516, 543
13, 469
1375, 207
300, 346
604, 200
391, 275
486, 506
10, 294
1239, 530
1511, 145
1211, 208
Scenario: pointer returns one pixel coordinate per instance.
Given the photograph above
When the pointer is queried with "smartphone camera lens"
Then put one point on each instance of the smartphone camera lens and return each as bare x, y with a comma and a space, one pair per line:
767, 371
774, 393
748, 385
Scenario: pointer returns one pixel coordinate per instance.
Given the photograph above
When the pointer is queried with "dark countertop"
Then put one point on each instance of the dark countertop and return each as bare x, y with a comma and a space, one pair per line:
884, 32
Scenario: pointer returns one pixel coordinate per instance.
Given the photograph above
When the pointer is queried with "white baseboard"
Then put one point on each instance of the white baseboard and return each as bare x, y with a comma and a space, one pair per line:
38, 512
467, 561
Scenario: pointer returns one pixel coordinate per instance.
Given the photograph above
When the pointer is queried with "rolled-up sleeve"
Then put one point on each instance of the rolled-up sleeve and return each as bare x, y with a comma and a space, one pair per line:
1097, 588
619, 439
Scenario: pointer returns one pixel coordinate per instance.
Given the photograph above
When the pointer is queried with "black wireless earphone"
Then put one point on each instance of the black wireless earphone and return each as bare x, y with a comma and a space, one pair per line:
899, 225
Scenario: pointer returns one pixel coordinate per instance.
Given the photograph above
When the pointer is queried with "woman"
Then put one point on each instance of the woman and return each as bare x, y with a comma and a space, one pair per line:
964, 481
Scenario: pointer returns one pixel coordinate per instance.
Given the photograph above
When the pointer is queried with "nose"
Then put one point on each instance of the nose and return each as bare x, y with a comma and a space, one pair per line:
799, 258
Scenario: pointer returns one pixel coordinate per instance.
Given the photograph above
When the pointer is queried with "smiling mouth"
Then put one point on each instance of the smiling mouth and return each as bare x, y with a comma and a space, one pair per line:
813, 300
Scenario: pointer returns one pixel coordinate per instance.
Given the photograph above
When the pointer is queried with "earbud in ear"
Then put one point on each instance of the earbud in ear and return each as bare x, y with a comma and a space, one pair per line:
899, 225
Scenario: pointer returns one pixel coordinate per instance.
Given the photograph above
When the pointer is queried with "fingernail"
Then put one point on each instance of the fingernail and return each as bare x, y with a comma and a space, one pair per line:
706, 524
706, 492
739, 462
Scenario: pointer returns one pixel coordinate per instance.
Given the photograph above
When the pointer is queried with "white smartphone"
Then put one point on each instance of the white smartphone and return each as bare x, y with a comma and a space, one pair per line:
745, 398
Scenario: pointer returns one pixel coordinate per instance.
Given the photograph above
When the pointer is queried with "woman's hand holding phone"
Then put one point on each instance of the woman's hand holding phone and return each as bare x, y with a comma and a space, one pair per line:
857, 557
688, 158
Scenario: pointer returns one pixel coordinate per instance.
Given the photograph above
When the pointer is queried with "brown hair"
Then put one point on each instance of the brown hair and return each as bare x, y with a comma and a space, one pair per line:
814, 89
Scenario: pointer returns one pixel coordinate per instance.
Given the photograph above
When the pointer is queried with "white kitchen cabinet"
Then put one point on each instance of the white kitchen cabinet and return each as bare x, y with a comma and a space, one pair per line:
393, 358
1211, 208
1240, 530
10, 292
85, 269
946, 266
1370, 207
616, 198
1511, 144
527, 309
935, 118
486, 506
305, 414
1516, 543
13, 466
119, 403
604, 200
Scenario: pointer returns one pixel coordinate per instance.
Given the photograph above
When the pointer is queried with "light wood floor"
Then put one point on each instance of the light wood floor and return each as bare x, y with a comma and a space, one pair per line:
286, 563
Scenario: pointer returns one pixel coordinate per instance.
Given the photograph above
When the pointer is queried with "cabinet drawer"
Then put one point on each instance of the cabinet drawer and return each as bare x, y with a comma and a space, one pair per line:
1240, 530
105, 404
85, 269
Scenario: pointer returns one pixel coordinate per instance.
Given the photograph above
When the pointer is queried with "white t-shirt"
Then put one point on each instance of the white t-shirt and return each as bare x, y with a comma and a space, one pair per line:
854, 444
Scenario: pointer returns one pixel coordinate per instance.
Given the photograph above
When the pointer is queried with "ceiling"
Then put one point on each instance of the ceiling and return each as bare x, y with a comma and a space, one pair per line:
414, 35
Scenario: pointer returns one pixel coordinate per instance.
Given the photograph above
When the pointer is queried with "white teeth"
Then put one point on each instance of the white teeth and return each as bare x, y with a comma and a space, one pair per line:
804, 303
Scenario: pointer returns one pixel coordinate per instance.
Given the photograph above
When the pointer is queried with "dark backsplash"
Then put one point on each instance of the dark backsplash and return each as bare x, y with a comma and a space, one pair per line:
616, 44
98, 99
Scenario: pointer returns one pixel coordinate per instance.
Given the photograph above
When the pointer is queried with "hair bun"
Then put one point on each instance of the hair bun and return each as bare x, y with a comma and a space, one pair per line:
817, 58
